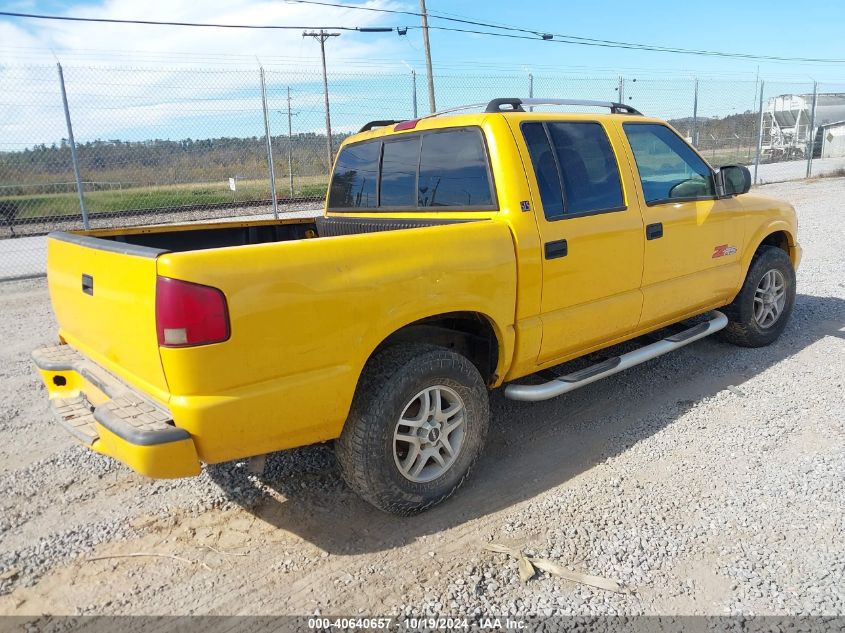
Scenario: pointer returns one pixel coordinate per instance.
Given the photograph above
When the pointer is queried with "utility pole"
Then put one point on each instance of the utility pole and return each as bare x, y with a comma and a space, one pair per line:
427, 46
321, 37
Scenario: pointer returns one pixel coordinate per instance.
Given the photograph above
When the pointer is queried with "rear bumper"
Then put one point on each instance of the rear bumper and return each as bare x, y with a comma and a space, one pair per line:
110, 418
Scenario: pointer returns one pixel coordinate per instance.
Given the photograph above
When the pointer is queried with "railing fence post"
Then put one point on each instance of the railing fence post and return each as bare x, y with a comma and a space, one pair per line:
290, 147
72, 144
531, 90
695, 115
269, 145
414, 90
759, 133
811, 136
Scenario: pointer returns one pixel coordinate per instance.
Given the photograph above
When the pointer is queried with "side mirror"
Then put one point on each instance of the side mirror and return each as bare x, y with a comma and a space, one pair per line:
734, 179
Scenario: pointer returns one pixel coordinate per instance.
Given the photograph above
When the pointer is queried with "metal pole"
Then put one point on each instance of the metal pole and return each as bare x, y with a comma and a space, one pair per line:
531, 90
695, 115
269, 146
759, 134
811, 136
621, 89
427, 46
290, 147
414, 90
72, 144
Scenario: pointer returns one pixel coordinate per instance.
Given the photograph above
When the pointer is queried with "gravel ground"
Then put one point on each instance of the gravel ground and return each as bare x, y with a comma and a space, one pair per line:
708, 481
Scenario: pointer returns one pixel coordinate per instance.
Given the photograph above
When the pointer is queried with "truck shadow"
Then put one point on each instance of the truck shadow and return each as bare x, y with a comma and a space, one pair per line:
531, 448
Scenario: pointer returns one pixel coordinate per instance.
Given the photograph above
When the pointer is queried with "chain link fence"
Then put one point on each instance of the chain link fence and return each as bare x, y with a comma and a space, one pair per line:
105, 147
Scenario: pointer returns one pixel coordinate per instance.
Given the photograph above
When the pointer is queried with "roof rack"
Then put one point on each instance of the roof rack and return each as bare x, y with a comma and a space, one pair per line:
372, 124
516, 105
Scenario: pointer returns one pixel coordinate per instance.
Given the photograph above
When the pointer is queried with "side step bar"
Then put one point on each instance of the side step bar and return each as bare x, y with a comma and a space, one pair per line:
570, 382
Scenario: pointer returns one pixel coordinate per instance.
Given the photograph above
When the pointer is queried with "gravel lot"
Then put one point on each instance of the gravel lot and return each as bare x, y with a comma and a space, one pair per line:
709, 481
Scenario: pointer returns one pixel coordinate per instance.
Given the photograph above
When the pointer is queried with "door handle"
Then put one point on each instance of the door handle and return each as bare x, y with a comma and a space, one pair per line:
555, 249
654, 231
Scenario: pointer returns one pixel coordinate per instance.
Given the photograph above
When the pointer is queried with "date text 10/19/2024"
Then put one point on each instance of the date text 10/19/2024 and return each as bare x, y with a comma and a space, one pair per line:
414, 624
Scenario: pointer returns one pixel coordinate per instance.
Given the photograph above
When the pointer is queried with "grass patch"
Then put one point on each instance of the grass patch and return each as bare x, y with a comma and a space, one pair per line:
116, 200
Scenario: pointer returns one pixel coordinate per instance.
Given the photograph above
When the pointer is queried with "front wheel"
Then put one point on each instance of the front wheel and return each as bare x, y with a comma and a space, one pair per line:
760, 311
416, 428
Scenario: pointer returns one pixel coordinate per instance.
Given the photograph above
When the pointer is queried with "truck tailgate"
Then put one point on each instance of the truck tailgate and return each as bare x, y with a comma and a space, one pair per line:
103, 294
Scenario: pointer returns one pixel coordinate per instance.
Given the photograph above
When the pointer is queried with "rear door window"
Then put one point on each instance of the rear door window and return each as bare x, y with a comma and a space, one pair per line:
453, 170
545, 169
578, 160
355, 178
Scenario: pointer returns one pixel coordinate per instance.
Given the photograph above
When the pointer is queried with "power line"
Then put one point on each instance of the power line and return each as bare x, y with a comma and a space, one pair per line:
536, 35
571, 39
644, 47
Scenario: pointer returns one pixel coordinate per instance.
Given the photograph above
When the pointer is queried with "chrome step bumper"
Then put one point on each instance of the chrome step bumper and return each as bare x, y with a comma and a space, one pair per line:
570, 382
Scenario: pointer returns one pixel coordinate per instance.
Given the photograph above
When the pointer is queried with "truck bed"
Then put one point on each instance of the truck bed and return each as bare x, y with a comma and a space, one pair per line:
304, 316
196, 237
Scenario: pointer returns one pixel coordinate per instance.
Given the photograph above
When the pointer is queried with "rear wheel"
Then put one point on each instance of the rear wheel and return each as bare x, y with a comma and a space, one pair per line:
763, 306
416, 428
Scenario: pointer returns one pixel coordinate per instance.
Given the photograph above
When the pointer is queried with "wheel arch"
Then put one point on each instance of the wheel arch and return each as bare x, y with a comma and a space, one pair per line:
777, 234
472, 334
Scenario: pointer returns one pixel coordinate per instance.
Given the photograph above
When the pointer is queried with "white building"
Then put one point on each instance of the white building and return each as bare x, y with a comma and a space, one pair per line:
832, 138
787, 121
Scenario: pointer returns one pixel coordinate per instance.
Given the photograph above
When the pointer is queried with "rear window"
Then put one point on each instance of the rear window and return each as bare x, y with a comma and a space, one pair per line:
356, 177
399, 172
443, 169
453, 170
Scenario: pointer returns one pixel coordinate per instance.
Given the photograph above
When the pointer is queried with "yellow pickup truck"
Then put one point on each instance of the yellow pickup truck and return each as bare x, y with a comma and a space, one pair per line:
458, 253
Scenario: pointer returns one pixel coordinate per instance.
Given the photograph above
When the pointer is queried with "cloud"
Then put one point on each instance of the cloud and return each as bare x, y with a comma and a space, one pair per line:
138, 81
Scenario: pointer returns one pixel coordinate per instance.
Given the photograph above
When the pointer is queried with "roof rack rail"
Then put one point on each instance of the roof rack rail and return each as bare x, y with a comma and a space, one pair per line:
516, 105
373, 124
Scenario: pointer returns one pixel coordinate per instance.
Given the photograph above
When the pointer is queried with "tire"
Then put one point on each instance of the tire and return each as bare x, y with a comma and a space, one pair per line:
745, 327
372, 449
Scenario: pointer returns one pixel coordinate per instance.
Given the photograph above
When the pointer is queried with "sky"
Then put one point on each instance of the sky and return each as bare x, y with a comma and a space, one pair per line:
177, 82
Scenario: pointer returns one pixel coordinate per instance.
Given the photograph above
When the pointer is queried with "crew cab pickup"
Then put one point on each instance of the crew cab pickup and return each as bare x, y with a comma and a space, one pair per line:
457, 253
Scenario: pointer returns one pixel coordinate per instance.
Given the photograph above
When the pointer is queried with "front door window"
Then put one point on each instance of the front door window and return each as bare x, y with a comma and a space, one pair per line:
669, 169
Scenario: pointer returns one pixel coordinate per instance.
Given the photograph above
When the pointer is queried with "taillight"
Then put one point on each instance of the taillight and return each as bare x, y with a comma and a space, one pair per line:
189, 314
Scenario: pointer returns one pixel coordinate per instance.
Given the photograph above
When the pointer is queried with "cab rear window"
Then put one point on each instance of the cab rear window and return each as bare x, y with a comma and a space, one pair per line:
443, 169
355, 177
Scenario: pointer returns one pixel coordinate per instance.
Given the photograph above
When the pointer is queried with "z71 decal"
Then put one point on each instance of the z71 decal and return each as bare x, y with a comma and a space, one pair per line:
723, 249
